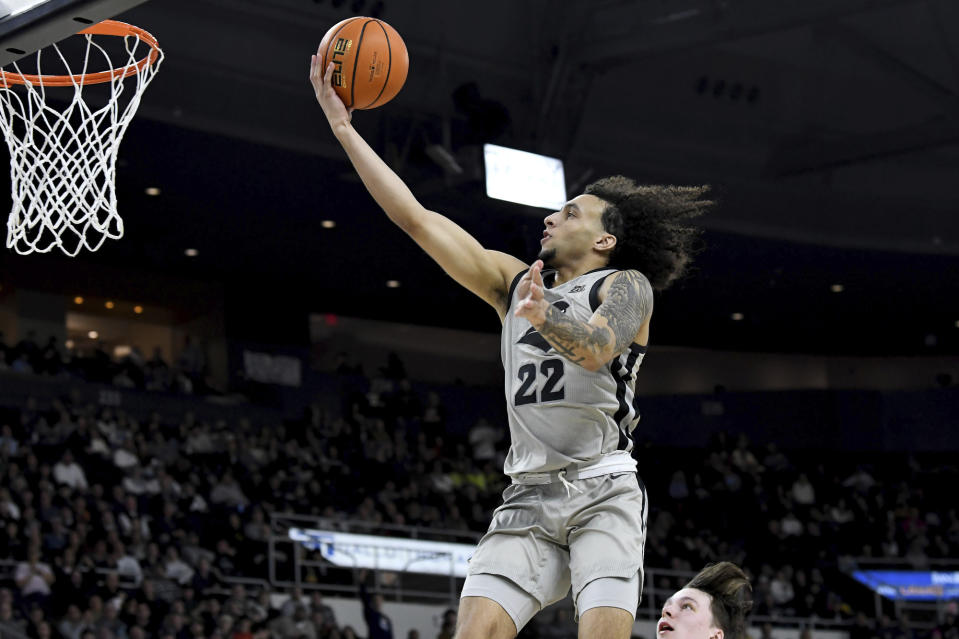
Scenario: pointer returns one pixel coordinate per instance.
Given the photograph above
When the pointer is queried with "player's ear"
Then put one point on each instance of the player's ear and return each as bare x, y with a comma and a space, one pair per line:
606, 242
717, 633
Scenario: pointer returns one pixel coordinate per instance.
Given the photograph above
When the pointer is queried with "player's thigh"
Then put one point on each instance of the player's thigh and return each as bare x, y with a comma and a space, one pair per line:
605, 623
610, 534
483, 618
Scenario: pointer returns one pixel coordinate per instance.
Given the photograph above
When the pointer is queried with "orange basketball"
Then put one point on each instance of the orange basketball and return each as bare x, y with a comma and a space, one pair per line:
370, 61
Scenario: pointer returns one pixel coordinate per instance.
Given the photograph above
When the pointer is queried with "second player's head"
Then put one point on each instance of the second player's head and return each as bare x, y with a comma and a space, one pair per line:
713, 605
627, 225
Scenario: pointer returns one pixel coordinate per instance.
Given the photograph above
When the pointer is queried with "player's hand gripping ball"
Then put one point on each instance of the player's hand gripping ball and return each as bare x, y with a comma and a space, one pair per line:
370, 61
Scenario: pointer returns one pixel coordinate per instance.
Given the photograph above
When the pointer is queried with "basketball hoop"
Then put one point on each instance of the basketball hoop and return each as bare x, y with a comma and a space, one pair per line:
63, 161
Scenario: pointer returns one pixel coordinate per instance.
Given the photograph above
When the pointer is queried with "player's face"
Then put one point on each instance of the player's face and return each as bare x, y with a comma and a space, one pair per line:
687, 615
572, 231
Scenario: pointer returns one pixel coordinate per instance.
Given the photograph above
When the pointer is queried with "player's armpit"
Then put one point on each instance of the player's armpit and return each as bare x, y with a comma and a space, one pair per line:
627, 306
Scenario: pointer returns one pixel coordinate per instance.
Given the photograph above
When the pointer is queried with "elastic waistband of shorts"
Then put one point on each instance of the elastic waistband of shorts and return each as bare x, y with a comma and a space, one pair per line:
573, 473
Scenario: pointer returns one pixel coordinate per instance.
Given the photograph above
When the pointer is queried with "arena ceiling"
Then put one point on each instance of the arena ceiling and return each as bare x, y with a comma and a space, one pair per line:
828, 128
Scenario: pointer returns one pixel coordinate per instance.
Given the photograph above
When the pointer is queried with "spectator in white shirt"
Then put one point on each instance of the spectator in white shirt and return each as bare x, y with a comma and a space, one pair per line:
124, 456
34, 578
175, 568
484, 438
127, 565
781, 589
67, 471
803, 491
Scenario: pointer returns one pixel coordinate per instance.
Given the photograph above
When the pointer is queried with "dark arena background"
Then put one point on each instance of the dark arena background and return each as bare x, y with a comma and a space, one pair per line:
265, 403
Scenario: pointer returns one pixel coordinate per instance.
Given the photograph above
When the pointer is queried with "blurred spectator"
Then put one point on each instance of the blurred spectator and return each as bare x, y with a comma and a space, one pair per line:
860, 480
227, 492
34, 578
447, 625
803, 492
484, 438
378, 624
319, 607
678, 489
9, 623
127, 566
67, 471
73, 625
294, 626
175, 568
9, 445
560, 626
781, 589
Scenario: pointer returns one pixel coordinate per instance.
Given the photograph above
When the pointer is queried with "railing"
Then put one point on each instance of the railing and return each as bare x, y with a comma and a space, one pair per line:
293, 565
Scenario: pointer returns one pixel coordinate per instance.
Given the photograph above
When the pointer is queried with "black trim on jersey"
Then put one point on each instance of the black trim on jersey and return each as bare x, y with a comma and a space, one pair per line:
642, 487
594, 292
622, 376
512, 287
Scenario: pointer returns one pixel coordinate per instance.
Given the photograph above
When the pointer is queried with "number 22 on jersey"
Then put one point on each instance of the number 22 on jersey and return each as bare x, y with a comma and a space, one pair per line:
543, 385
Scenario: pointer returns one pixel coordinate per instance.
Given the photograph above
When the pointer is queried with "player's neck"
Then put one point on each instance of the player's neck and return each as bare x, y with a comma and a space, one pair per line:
569, 272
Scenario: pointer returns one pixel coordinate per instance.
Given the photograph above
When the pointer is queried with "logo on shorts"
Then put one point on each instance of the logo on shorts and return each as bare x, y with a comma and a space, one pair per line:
577, 289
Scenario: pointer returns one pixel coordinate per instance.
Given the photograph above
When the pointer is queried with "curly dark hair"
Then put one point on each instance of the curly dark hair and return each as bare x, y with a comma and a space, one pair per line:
731, 594
650, 225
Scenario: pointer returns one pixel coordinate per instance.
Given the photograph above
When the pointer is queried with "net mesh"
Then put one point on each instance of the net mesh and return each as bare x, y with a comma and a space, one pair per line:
63, 155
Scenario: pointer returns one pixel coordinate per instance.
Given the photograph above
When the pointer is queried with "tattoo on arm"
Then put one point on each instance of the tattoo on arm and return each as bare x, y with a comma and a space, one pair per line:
627, 306
570, 337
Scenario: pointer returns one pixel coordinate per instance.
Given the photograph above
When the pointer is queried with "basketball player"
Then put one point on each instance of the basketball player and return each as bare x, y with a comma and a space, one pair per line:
573, 339
713, 605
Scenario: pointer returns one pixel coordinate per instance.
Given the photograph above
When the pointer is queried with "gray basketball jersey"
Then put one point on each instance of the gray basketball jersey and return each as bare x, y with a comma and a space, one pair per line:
562, 416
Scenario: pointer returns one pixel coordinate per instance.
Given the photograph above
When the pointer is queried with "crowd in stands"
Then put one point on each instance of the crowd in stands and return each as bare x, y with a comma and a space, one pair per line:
127, 527
93, 363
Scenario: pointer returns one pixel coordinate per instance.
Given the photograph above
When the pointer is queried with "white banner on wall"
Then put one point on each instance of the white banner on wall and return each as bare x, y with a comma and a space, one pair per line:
398, 554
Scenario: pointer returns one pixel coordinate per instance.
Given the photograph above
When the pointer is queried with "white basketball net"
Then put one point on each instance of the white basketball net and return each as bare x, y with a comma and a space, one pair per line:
63, 162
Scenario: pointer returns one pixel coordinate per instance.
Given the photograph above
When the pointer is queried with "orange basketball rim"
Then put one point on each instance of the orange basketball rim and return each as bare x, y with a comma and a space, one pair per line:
107, 27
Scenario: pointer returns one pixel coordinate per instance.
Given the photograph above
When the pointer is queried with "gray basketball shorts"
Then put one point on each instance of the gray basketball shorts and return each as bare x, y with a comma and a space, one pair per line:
546, 538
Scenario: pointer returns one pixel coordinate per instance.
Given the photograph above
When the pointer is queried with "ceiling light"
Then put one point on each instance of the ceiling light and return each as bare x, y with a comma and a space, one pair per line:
93, 335
328, 224
957, 323
191, 252
137, 309
152, 190
392, 283
109, 304
736, 317
69, 344
837, 288
78, 300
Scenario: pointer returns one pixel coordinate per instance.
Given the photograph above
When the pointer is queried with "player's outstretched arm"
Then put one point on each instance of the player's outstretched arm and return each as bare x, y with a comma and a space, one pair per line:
486, 273
626, 305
